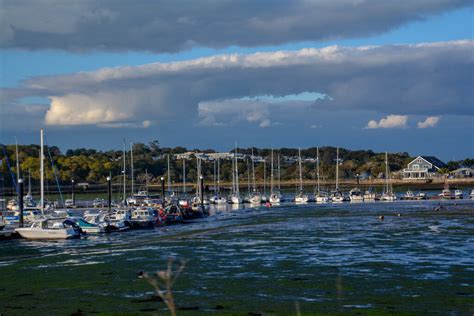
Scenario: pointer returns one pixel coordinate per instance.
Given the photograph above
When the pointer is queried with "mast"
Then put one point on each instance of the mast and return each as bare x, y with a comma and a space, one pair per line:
317, 168
169, 175
215, 177
386, 173
218, 176
236, 173
17, 160
124, 173
301, 173
131, 163
279, 173
42, 172
337, 169
146, 181
184, 176
271, 173
248, 176
253, 174
264, 177
29, 182
233, 175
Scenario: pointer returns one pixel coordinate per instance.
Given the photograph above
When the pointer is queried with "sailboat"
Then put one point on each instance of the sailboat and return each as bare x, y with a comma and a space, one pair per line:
275, 196
320, 196
388, 194
355, 194
48, 228
235, 196
336, 195
301, 197
255, 197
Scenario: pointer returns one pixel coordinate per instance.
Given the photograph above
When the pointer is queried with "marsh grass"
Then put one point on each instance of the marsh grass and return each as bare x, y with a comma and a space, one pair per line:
163, 281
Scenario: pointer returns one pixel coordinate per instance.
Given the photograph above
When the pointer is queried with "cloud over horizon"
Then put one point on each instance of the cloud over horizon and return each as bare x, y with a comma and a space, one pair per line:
391, 121
391, 79
170, 26
430, 121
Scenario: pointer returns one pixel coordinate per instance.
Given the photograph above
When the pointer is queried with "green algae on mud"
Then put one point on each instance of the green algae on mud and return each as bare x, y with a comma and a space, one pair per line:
330, 259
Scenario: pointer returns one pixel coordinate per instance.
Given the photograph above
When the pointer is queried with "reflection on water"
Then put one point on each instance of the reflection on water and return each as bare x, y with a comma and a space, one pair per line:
263, 260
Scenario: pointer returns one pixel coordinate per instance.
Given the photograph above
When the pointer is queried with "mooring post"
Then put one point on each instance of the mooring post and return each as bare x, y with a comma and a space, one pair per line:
109, 193
201, 178
20, 201
163, 190
73, 195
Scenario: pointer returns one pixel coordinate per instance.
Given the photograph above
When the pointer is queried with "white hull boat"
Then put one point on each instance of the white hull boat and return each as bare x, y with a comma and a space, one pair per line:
44, 229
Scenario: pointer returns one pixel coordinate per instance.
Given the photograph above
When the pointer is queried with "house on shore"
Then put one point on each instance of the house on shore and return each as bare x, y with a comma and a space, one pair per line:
462, 173
423, 168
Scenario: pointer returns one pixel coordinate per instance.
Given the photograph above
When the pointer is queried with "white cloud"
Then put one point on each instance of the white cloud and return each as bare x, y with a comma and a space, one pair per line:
391, 121
207, 90
430, 121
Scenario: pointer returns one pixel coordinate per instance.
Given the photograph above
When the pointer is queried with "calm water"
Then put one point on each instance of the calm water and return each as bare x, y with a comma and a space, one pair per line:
336, 258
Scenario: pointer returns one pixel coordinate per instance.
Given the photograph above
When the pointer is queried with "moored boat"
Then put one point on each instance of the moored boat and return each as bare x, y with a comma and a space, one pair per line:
49, 229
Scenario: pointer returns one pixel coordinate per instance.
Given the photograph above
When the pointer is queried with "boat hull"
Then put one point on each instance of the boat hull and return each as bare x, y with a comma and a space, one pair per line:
44, 234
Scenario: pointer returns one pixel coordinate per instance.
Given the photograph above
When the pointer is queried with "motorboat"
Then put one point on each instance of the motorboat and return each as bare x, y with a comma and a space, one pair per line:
355, 195
458, 194
369, 196
98, 202
90, 228
174, 214
137, 198
409, 195
142, 218
471, 196
446, 194
50, 229
421, 196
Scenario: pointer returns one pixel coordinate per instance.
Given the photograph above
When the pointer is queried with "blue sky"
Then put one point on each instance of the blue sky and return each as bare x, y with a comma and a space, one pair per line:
217, 119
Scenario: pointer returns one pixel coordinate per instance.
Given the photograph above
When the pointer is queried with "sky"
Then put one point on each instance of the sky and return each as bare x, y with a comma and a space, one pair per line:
383, 75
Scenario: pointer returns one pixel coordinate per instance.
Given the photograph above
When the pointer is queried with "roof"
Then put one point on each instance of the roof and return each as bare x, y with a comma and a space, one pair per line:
434, 161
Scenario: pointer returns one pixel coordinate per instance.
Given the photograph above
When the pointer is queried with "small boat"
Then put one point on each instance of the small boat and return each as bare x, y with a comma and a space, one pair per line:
321, 197
471, 196
446, 194
174, 214
50, 229
235, 199
369, 196
458, 194
255, 198
275, 198
355, 195
301, 198
89, 228
99, 202
421, 196
142, 218
388, 195
337, 197
409, 195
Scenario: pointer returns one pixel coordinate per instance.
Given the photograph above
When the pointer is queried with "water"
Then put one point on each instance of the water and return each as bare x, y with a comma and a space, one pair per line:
335, 258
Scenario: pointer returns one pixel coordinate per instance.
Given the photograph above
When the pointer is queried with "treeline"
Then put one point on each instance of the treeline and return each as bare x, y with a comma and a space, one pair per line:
93, 166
